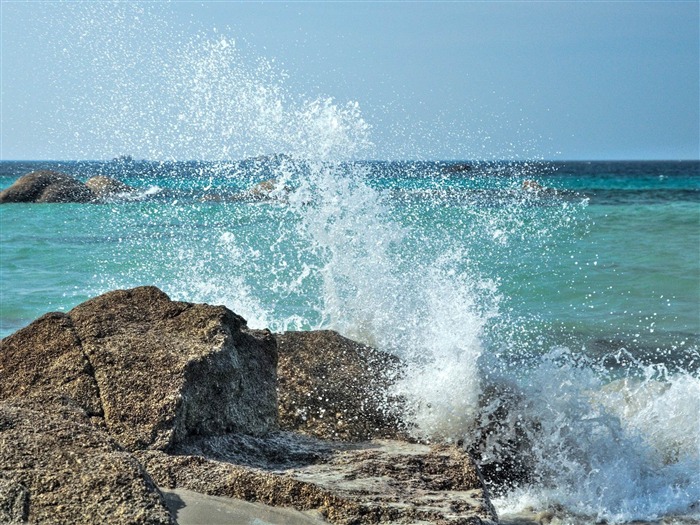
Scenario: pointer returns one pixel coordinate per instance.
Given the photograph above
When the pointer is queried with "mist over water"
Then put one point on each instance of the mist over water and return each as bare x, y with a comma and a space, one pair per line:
416, 271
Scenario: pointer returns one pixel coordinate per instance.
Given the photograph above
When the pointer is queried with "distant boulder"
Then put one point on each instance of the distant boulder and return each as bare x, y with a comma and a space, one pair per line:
459, 167
108, 188
266, 190
149, 370
47, 186
532, 185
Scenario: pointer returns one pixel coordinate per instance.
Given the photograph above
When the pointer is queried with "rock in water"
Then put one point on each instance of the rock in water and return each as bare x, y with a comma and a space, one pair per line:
334, 388
107, 187
55, 467
151, 370
47, 186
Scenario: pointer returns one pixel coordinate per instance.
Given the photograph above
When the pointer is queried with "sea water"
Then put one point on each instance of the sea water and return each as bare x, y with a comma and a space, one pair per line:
547, 312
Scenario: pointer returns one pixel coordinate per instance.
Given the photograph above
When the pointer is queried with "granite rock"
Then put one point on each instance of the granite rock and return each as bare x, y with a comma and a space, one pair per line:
47, 186
334, 388
150, 370
379, 481
131, 390
56, 467
106, 188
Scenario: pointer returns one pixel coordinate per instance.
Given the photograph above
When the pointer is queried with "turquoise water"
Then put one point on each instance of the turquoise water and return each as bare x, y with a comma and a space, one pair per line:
609, 261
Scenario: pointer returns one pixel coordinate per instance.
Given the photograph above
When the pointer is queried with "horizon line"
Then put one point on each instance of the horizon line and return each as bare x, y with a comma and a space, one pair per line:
118, 160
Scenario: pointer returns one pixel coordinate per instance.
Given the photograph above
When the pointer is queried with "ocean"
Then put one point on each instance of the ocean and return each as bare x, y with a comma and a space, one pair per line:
549, 312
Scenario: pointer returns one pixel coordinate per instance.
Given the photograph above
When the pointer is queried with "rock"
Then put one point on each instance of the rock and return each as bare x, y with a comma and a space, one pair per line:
55, 467
131, 390
505, 436
108, 188
531, 185
14, 501
46, 360
334, 388
267, 190
46, 186
151, 370
459, 167
371, 482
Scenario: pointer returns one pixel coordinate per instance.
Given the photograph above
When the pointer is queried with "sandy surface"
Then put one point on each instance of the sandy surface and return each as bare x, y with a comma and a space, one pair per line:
192, 508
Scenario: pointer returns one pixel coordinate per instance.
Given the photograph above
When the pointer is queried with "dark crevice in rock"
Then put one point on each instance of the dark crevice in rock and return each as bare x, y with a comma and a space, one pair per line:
90, 370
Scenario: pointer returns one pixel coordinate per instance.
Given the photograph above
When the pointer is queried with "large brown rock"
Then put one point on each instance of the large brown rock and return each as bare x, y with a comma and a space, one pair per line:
131, 388
55, 467
151, 370
47, 186
334, 388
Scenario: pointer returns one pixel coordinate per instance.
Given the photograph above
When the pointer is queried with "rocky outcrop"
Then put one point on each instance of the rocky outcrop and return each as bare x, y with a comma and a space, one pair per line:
55, 467
131, 390
151, 370
107, 188
334, 388
47, 186
366, 483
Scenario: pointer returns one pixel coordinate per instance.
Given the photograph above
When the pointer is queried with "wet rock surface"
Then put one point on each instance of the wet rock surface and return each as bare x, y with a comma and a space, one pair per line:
334, 388
130, 390
378, 481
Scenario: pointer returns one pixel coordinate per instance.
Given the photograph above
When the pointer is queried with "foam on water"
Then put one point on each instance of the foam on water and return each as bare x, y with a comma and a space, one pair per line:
620, 451
578, 442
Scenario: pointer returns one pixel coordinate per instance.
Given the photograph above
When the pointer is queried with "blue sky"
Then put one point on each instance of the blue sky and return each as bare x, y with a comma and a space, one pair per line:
451, 80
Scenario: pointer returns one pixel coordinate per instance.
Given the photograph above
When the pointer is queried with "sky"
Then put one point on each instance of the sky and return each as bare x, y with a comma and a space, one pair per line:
566, 80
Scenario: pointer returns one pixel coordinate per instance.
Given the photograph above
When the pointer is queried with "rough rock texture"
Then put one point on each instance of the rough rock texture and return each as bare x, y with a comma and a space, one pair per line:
46, 360
154, 371
55, 467
131, 389
47, 186
334, 388
14, 501
371, 482
107, 187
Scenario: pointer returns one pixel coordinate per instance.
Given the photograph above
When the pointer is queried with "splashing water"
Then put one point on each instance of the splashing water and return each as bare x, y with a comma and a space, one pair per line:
332, 249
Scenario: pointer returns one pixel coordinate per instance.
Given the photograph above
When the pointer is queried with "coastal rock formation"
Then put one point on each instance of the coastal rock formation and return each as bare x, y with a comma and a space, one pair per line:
334, 388
151, 370
47, 186
131, 390
365, 483
55, 467
108, 188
